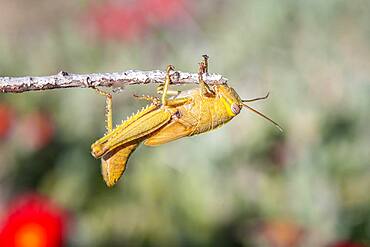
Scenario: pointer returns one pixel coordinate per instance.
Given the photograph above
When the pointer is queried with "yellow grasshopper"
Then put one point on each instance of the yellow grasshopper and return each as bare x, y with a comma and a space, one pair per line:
184, 113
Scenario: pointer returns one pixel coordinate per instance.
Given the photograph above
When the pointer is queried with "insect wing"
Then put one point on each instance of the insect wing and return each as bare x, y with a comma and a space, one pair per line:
113, 164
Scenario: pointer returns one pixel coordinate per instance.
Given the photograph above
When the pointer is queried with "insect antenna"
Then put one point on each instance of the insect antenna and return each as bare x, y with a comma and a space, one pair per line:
265, 117
255, 99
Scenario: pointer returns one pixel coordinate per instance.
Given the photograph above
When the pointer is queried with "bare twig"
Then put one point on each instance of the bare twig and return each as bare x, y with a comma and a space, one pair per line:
116, 80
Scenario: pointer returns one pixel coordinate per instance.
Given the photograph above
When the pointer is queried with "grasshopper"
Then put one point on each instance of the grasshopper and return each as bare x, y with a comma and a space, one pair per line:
175, 115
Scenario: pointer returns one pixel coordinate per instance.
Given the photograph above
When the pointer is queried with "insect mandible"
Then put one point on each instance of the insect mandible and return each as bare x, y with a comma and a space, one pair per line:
175, 115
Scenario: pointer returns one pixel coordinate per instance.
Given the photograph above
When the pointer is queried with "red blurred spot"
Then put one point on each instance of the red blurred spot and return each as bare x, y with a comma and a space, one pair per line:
114, 21
161, 11
131, 20
30, 235
6, 120
33, 221
37, 130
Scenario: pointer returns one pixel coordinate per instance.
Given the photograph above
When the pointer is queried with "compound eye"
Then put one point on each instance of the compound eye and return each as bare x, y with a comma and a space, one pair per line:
235, 108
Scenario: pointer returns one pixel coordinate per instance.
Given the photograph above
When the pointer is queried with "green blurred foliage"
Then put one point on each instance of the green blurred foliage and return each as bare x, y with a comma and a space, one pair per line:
225, 188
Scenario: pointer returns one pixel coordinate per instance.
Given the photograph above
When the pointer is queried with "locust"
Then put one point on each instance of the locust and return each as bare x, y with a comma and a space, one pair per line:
174, 115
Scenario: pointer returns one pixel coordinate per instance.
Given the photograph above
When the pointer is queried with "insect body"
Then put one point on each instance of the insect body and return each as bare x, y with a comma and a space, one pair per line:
185, 113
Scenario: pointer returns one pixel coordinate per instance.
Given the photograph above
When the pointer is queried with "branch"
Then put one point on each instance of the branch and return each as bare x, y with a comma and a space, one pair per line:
116, 80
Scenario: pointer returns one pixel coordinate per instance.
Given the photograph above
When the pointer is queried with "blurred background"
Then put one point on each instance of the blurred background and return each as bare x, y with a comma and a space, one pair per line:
245, 184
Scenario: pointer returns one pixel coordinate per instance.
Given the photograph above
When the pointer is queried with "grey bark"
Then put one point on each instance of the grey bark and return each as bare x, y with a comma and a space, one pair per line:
115, 80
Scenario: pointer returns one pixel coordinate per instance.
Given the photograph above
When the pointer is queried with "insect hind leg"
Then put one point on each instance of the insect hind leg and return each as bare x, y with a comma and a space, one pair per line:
108, 109
166, 83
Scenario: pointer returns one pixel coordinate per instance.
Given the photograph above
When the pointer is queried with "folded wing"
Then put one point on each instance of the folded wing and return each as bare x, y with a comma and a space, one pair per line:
113, 164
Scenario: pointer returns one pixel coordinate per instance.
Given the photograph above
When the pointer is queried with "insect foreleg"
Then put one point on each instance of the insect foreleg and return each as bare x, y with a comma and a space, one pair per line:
203, 68
205, 63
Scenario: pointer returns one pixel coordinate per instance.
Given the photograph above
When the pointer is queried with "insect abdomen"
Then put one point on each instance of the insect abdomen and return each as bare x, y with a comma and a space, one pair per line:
211, 114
